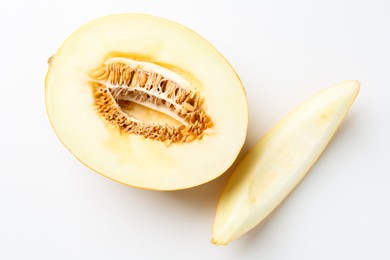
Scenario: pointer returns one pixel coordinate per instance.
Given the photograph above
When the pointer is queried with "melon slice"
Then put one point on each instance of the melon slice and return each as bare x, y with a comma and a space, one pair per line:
146, 102
279, 161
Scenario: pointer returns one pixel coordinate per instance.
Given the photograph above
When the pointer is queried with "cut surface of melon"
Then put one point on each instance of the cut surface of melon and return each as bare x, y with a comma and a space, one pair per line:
146, 102
279, 161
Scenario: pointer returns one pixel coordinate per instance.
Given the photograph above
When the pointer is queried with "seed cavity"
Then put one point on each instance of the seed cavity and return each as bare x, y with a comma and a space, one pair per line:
122, 83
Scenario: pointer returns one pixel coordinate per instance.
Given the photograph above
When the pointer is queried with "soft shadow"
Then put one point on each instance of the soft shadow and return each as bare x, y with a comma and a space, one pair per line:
204, 197
200, 200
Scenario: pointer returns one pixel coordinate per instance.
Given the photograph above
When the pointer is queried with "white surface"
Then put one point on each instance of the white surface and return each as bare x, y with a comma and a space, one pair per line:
53, 207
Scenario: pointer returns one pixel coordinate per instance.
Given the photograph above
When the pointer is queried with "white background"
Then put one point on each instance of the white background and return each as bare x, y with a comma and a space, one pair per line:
53, 207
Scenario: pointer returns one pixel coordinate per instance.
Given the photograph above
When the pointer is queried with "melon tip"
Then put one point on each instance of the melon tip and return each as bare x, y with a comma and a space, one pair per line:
349, 89
354, 85
354, 88
217, 242
357, 85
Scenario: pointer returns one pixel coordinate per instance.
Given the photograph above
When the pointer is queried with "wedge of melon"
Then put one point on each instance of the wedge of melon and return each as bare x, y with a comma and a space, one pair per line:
279, 161
146, 102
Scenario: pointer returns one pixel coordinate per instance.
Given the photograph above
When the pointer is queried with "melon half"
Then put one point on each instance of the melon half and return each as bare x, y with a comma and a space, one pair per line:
146, 102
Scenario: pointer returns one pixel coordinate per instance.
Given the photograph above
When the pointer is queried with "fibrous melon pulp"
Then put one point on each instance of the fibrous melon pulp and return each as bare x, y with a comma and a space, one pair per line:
146, 102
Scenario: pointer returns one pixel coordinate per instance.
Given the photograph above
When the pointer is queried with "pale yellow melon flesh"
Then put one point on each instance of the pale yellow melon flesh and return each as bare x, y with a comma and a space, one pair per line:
279, 161
133, 159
